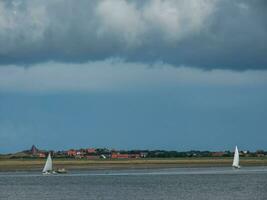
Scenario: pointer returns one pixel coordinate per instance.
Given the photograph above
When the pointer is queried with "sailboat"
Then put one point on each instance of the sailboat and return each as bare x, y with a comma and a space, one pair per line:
48, 168
236, 159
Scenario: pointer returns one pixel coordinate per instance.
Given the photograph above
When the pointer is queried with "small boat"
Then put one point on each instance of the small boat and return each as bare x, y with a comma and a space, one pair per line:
61, 171
236, 159
48, 168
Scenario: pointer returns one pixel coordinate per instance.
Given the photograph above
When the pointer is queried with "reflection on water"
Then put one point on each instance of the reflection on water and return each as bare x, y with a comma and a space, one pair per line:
183, 183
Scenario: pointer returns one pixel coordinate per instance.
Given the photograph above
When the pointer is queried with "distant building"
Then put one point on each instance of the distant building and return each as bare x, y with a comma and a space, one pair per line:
124, 156
34, 150
80, 154
218, 154
134, 156
91, 150
72, 153
103, 156
143, 154
41, 155
119, 156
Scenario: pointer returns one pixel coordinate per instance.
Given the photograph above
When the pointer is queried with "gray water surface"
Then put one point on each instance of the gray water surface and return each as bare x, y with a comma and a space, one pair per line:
182, 183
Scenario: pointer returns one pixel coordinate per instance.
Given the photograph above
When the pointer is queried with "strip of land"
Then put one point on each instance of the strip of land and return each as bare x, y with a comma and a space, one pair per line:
71, 164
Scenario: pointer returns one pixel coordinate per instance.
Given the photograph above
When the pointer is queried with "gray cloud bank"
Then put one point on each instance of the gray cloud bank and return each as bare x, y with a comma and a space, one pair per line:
117, 75
229, 34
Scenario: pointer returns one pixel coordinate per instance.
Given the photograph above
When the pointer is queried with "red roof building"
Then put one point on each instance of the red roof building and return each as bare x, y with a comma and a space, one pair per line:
119, 156
72, 152
91, 150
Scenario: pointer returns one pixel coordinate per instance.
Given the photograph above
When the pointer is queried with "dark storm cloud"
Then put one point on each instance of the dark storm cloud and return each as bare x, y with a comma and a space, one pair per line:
207, 34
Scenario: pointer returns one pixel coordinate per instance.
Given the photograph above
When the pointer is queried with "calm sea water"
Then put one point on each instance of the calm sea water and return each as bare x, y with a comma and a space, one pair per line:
187, 183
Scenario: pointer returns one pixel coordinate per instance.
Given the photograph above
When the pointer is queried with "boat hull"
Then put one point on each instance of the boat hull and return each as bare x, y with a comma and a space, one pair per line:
47, 173
236, 167
61, 171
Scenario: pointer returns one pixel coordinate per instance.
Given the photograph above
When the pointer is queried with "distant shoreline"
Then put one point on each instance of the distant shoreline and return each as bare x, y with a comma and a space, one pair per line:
75, 164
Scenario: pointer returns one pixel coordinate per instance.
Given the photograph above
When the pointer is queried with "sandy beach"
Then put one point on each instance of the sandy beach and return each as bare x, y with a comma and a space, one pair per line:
37, 164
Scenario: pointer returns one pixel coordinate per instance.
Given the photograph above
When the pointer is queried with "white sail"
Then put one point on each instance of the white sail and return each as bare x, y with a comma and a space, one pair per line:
236, 158
48, 165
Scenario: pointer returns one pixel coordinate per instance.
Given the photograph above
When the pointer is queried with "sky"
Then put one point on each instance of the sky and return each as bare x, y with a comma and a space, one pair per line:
124, 74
